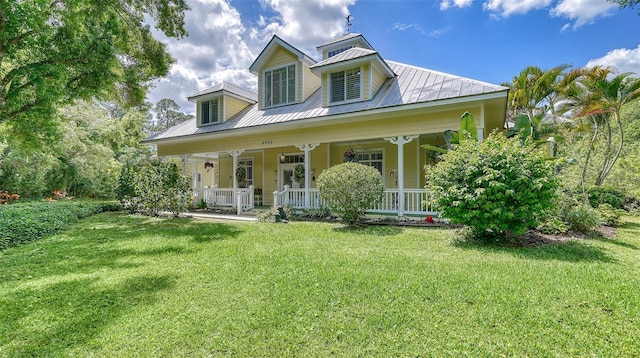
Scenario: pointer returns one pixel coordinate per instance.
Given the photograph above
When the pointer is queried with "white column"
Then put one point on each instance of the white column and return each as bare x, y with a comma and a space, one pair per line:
235, 154
184, 164
400, 141
307, 171
481, 129
194, 181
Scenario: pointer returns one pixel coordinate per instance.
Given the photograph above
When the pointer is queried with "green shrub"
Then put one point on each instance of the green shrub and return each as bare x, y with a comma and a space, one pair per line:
582, 218
497, 186
607, 195
609, 215
25, 222
350, 189
157, 186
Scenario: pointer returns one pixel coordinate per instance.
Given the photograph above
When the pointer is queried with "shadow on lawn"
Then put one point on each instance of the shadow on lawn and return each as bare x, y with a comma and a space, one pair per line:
50, 319
378, 230
571, 251
105, 243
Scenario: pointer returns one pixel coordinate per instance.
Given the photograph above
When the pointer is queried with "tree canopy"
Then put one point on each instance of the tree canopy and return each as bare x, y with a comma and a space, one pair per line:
55, 51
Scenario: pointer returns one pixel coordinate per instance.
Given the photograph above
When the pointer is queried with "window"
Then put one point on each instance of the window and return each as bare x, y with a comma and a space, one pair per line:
335, 52
280, 86
372, 159
210, 111
247, 164
345, 85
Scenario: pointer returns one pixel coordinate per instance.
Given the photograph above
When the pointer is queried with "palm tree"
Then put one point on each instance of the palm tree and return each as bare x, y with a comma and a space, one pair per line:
601, 96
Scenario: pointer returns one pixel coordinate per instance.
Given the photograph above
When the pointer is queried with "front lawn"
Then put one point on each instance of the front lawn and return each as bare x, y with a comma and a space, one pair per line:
117, 285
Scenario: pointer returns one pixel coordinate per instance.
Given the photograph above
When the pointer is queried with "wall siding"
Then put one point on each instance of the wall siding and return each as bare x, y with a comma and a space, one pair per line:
311, 83
233, 106
378, 80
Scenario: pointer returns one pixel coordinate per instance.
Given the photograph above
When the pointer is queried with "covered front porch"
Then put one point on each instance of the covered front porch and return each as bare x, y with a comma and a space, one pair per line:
246, 179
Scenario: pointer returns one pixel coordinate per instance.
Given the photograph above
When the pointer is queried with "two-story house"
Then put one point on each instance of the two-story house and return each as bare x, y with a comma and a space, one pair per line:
310, 115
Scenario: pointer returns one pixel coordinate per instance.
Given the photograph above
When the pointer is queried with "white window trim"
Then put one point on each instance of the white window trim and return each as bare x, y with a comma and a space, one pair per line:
220, 110
253, 169
359, 99
384, 160
264, 85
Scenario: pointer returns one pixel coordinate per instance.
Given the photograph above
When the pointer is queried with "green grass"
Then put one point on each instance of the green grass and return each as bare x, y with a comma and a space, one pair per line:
117, 285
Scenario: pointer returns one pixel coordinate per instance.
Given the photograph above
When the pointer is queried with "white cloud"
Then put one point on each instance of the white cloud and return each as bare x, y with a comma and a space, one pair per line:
623, 59
506, 8
582, 11
221, 47
445, 4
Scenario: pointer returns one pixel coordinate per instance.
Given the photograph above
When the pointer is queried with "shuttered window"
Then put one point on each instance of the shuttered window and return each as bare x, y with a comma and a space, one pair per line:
210, 111
345, 85
280, 86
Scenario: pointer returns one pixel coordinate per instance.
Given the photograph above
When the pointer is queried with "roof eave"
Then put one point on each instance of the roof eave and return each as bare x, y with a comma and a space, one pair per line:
277, 126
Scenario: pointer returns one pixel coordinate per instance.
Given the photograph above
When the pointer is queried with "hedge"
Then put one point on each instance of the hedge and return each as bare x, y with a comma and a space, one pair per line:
25, 222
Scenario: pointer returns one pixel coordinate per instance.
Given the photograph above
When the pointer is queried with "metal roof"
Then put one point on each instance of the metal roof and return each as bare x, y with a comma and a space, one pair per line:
350, 54
227, 87
344, 38
412, 85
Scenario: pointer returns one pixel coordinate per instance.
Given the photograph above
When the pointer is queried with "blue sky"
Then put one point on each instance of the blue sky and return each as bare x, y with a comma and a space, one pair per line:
488, 40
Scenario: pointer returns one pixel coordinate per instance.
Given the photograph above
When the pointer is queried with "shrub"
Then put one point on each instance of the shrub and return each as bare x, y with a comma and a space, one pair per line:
152, 188
607, 195
350, 189
582, 218
609, 215
25, 222
497, 186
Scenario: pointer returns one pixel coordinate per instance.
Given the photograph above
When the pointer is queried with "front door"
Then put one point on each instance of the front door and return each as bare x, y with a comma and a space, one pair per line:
286, 176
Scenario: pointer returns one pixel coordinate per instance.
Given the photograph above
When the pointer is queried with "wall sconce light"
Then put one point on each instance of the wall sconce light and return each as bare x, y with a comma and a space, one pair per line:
282, 157
392, 173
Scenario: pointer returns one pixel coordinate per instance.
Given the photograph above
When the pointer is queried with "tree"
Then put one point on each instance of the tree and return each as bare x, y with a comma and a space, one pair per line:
56, 51
167, 115
600, 96
626, 3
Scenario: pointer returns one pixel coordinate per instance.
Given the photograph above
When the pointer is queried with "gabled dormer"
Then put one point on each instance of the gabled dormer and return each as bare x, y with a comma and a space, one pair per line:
334, 47
350, 72
217, 104
284, 75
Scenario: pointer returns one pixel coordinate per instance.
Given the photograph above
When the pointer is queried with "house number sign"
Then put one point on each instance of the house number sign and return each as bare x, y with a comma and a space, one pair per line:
267, 142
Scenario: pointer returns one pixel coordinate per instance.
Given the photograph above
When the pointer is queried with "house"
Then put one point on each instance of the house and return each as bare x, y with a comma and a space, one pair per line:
242, 148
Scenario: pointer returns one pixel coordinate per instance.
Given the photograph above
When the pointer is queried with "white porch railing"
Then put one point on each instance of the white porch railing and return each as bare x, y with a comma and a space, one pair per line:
415, 200
225, 197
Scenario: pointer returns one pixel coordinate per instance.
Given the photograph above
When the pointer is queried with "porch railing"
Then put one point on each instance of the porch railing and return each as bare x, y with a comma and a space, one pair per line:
224, 197
416, 201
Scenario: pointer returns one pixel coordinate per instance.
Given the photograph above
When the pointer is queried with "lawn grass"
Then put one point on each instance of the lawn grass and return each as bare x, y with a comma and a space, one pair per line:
117, 285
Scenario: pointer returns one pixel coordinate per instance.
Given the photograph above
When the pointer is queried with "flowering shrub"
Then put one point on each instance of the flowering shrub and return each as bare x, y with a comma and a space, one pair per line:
6, 198
350, 189
495, 187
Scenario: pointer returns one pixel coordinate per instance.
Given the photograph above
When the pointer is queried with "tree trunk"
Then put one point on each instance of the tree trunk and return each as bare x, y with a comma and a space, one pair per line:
583, 177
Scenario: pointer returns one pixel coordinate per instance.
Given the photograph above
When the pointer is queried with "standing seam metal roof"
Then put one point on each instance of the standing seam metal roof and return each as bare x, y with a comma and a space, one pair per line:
411, 85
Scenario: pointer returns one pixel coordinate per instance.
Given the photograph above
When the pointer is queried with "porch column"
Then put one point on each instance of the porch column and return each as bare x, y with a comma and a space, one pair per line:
235, 154
184, 164
400, 141
307, 171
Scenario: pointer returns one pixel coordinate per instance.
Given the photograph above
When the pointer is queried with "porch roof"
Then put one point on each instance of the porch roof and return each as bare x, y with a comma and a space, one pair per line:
412, 85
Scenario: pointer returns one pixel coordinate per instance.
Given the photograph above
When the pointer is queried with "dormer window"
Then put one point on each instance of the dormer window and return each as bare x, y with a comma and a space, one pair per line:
210, 111
280, 86
346, 85
335, 52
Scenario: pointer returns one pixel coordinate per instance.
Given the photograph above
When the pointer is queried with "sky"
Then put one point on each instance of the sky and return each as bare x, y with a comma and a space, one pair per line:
486, 40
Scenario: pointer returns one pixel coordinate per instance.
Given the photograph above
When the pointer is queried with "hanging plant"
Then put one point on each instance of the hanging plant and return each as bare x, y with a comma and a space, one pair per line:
241, 174
208, 165
298, 173
349, 156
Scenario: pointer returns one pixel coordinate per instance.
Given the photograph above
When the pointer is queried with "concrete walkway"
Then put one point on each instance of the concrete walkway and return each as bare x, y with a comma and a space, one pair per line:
246, 218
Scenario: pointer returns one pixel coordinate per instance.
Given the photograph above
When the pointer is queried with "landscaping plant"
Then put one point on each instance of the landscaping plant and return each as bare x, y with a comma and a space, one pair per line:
350, 189
495, 187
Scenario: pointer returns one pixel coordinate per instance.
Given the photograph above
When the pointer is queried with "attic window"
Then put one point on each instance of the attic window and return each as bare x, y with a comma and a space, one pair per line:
280, 86
345, 85
210, 111
335, 52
